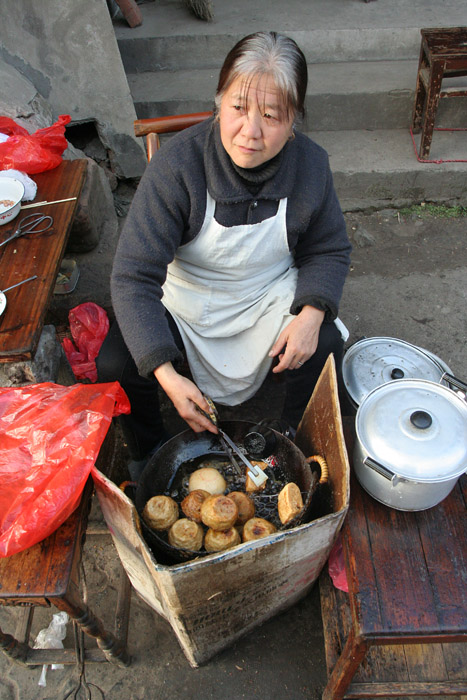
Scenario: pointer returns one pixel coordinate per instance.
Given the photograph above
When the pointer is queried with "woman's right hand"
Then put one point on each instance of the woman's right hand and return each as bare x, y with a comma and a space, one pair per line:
186, 397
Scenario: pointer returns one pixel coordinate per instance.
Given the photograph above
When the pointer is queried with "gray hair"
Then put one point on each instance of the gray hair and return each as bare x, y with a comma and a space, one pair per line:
268, 54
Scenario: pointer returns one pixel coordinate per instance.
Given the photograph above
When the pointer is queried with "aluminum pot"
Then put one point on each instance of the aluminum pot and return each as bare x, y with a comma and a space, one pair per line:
411, 443
371, 362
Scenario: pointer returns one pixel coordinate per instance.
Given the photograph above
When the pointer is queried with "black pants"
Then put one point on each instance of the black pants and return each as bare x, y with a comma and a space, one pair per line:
143, 428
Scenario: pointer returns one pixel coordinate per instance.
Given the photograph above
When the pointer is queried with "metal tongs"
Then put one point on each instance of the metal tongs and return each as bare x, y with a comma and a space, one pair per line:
256, 474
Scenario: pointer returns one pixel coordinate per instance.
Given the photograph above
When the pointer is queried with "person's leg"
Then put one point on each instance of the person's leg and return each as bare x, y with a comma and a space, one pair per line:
143, 428
301, 382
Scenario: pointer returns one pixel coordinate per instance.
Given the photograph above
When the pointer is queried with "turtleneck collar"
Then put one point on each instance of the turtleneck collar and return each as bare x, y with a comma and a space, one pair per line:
262, 172
229, 183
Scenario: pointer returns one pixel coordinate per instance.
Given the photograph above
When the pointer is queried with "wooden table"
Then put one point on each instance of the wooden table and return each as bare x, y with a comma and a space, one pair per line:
49, 574
401, 630
23, 319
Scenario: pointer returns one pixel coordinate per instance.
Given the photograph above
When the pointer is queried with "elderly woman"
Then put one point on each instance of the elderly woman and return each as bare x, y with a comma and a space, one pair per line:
234, 251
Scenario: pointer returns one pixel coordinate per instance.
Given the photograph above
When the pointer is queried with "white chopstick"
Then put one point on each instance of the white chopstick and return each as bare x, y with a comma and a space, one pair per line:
39, 204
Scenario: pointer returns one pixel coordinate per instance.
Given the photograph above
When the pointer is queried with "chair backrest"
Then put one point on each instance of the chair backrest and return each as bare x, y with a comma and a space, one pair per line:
151, 128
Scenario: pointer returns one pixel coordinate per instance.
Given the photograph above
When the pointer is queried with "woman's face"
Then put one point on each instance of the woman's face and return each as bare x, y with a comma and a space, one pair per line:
253, 127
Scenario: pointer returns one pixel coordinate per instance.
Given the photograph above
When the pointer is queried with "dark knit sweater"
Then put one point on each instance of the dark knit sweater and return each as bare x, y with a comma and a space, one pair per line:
168, 211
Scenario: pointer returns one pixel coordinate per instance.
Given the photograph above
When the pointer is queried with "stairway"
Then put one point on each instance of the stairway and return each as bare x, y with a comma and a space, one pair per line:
363, 61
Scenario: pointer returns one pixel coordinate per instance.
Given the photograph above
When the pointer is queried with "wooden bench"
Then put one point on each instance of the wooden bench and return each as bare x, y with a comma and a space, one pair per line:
401, 629
443, 54
49, 573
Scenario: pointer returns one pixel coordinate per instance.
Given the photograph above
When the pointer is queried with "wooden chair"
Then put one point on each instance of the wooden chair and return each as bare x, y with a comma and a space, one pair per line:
151, 128
443, 54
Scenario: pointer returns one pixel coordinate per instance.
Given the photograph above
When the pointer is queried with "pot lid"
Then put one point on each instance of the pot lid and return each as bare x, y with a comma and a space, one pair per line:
415, 428
370, 362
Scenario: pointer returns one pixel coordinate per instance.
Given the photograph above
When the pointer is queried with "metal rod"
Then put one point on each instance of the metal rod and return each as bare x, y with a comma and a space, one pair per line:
18, 284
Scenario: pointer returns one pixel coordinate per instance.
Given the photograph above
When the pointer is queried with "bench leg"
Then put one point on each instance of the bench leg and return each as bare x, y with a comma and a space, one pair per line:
431, 106
347, 664
114, 649
420, 95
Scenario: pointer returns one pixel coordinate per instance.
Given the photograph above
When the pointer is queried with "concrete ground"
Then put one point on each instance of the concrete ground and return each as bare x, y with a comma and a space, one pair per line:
407, 281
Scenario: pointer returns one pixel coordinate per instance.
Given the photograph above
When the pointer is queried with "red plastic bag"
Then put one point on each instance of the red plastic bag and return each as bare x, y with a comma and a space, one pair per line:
336, 566
32, 153
89, 324
50, 437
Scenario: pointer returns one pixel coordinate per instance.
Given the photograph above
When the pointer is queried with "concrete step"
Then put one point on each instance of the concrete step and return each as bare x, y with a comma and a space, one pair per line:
379, 169
171, 38
352, 95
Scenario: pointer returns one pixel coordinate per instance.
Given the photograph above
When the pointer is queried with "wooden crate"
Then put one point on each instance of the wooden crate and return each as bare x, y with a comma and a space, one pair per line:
212, 601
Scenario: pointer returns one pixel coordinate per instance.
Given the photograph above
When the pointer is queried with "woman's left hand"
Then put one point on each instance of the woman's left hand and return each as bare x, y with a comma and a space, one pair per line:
299, 340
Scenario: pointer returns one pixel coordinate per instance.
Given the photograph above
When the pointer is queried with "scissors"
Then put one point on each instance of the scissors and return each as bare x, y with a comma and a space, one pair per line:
37, 223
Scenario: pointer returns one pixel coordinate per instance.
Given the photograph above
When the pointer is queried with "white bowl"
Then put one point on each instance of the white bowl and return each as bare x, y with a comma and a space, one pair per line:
11, 193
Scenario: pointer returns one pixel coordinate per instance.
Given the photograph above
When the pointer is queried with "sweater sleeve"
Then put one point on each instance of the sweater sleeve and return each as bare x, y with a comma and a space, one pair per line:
154, 227
322, 250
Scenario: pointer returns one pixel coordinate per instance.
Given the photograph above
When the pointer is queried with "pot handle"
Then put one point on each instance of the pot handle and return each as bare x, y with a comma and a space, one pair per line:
323, 466
454, 382
377, 467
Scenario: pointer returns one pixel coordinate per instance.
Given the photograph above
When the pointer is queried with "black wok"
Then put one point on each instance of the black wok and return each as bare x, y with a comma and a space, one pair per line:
160, 473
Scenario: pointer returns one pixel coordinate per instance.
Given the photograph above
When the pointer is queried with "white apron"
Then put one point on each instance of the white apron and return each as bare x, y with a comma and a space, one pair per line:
230, 291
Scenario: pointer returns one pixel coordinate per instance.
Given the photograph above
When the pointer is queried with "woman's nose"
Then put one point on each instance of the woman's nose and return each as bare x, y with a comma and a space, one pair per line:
252, 125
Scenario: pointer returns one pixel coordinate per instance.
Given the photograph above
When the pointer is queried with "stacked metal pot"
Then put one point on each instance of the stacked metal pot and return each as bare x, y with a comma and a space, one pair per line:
411, 422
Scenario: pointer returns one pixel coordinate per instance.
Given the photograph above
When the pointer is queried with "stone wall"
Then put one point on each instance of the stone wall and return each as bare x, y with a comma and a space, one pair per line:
67, 51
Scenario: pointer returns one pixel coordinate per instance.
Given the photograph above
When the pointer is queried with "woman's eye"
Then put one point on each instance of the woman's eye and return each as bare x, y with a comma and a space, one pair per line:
268, 115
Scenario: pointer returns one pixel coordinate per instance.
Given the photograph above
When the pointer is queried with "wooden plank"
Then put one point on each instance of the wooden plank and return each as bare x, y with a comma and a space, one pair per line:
425, 662
455, 658
335, 614
443, 533
39, 571
22, 322
402, 690
62, 656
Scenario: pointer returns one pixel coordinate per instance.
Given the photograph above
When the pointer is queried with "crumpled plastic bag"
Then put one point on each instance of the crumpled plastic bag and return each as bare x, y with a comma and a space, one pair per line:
89, 324
32, 153
336, 566
52, 638
50, 437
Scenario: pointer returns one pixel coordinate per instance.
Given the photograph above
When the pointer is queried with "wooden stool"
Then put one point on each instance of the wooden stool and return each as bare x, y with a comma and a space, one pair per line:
443, 54
49, 573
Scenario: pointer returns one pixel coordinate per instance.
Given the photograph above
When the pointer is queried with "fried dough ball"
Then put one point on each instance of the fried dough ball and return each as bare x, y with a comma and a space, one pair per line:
207, 479
191, 504
289, 503
160, 512
219, 512
186, 534
250, 486
255, 528
218, 540
246, 507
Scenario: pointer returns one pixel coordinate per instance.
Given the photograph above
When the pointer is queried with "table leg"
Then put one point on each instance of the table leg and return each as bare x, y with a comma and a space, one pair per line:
114, 649
347, 664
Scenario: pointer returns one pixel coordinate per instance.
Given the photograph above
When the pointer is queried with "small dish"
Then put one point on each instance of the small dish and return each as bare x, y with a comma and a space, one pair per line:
11, 194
